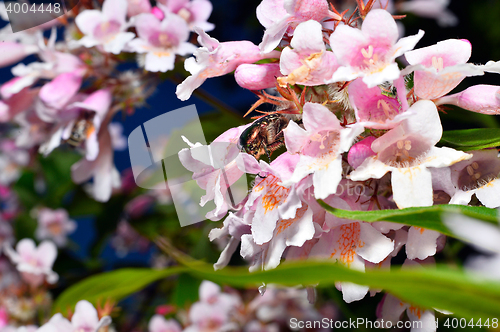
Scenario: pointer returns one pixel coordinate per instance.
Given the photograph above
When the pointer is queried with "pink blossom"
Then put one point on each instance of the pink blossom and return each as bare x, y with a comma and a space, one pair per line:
320, 146
280, 17
12, 159
279, 305
351, 244
57, 323
194, 12
373, 109
291, 232
85, 318
215, 170
408, 151
106, 28
90, 113
216, 59
257, 77
235, 226
477, 176
34, 263
54, 225
307, 62
161, 40
101, 169
270, 200
370, 52
442, 67
160, 324
214, 309
54, 63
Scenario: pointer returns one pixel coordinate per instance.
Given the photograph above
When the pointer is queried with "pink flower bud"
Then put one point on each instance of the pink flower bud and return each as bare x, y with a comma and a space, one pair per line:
360, 151
478, 98
257, 77
158, 13
164, 309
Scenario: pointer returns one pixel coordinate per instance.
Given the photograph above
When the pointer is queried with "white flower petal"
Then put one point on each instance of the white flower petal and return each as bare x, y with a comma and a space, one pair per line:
489, 194
421, 243
376, 247
412, 187
326, 180
370, 168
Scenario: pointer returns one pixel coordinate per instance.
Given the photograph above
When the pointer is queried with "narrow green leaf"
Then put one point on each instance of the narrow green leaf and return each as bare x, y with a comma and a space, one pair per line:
114, 285
441, 288
186, 290
471, 139
428, 217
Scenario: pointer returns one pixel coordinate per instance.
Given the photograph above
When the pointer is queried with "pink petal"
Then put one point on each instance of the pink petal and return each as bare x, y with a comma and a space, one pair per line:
257, 77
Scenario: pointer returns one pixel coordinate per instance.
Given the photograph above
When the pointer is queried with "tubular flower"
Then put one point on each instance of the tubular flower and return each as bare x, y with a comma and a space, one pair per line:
407, 151
370, 52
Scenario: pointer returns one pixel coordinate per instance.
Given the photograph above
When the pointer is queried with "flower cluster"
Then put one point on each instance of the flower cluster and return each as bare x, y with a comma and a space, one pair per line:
360, 108
65, 95
219, 310
70, 96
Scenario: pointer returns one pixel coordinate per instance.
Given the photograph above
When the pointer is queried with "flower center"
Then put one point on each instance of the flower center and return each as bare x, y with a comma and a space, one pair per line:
404, 153
55, 228
185, 14
388, 110
437, 63
107, 30
369, 57
323, 144
478, 173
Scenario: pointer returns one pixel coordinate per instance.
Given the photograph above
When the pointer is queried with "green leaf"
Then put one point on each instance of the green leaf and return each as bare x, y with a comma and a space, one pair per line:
114, 285
428, 217
186, 290
471, 139
441, 288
